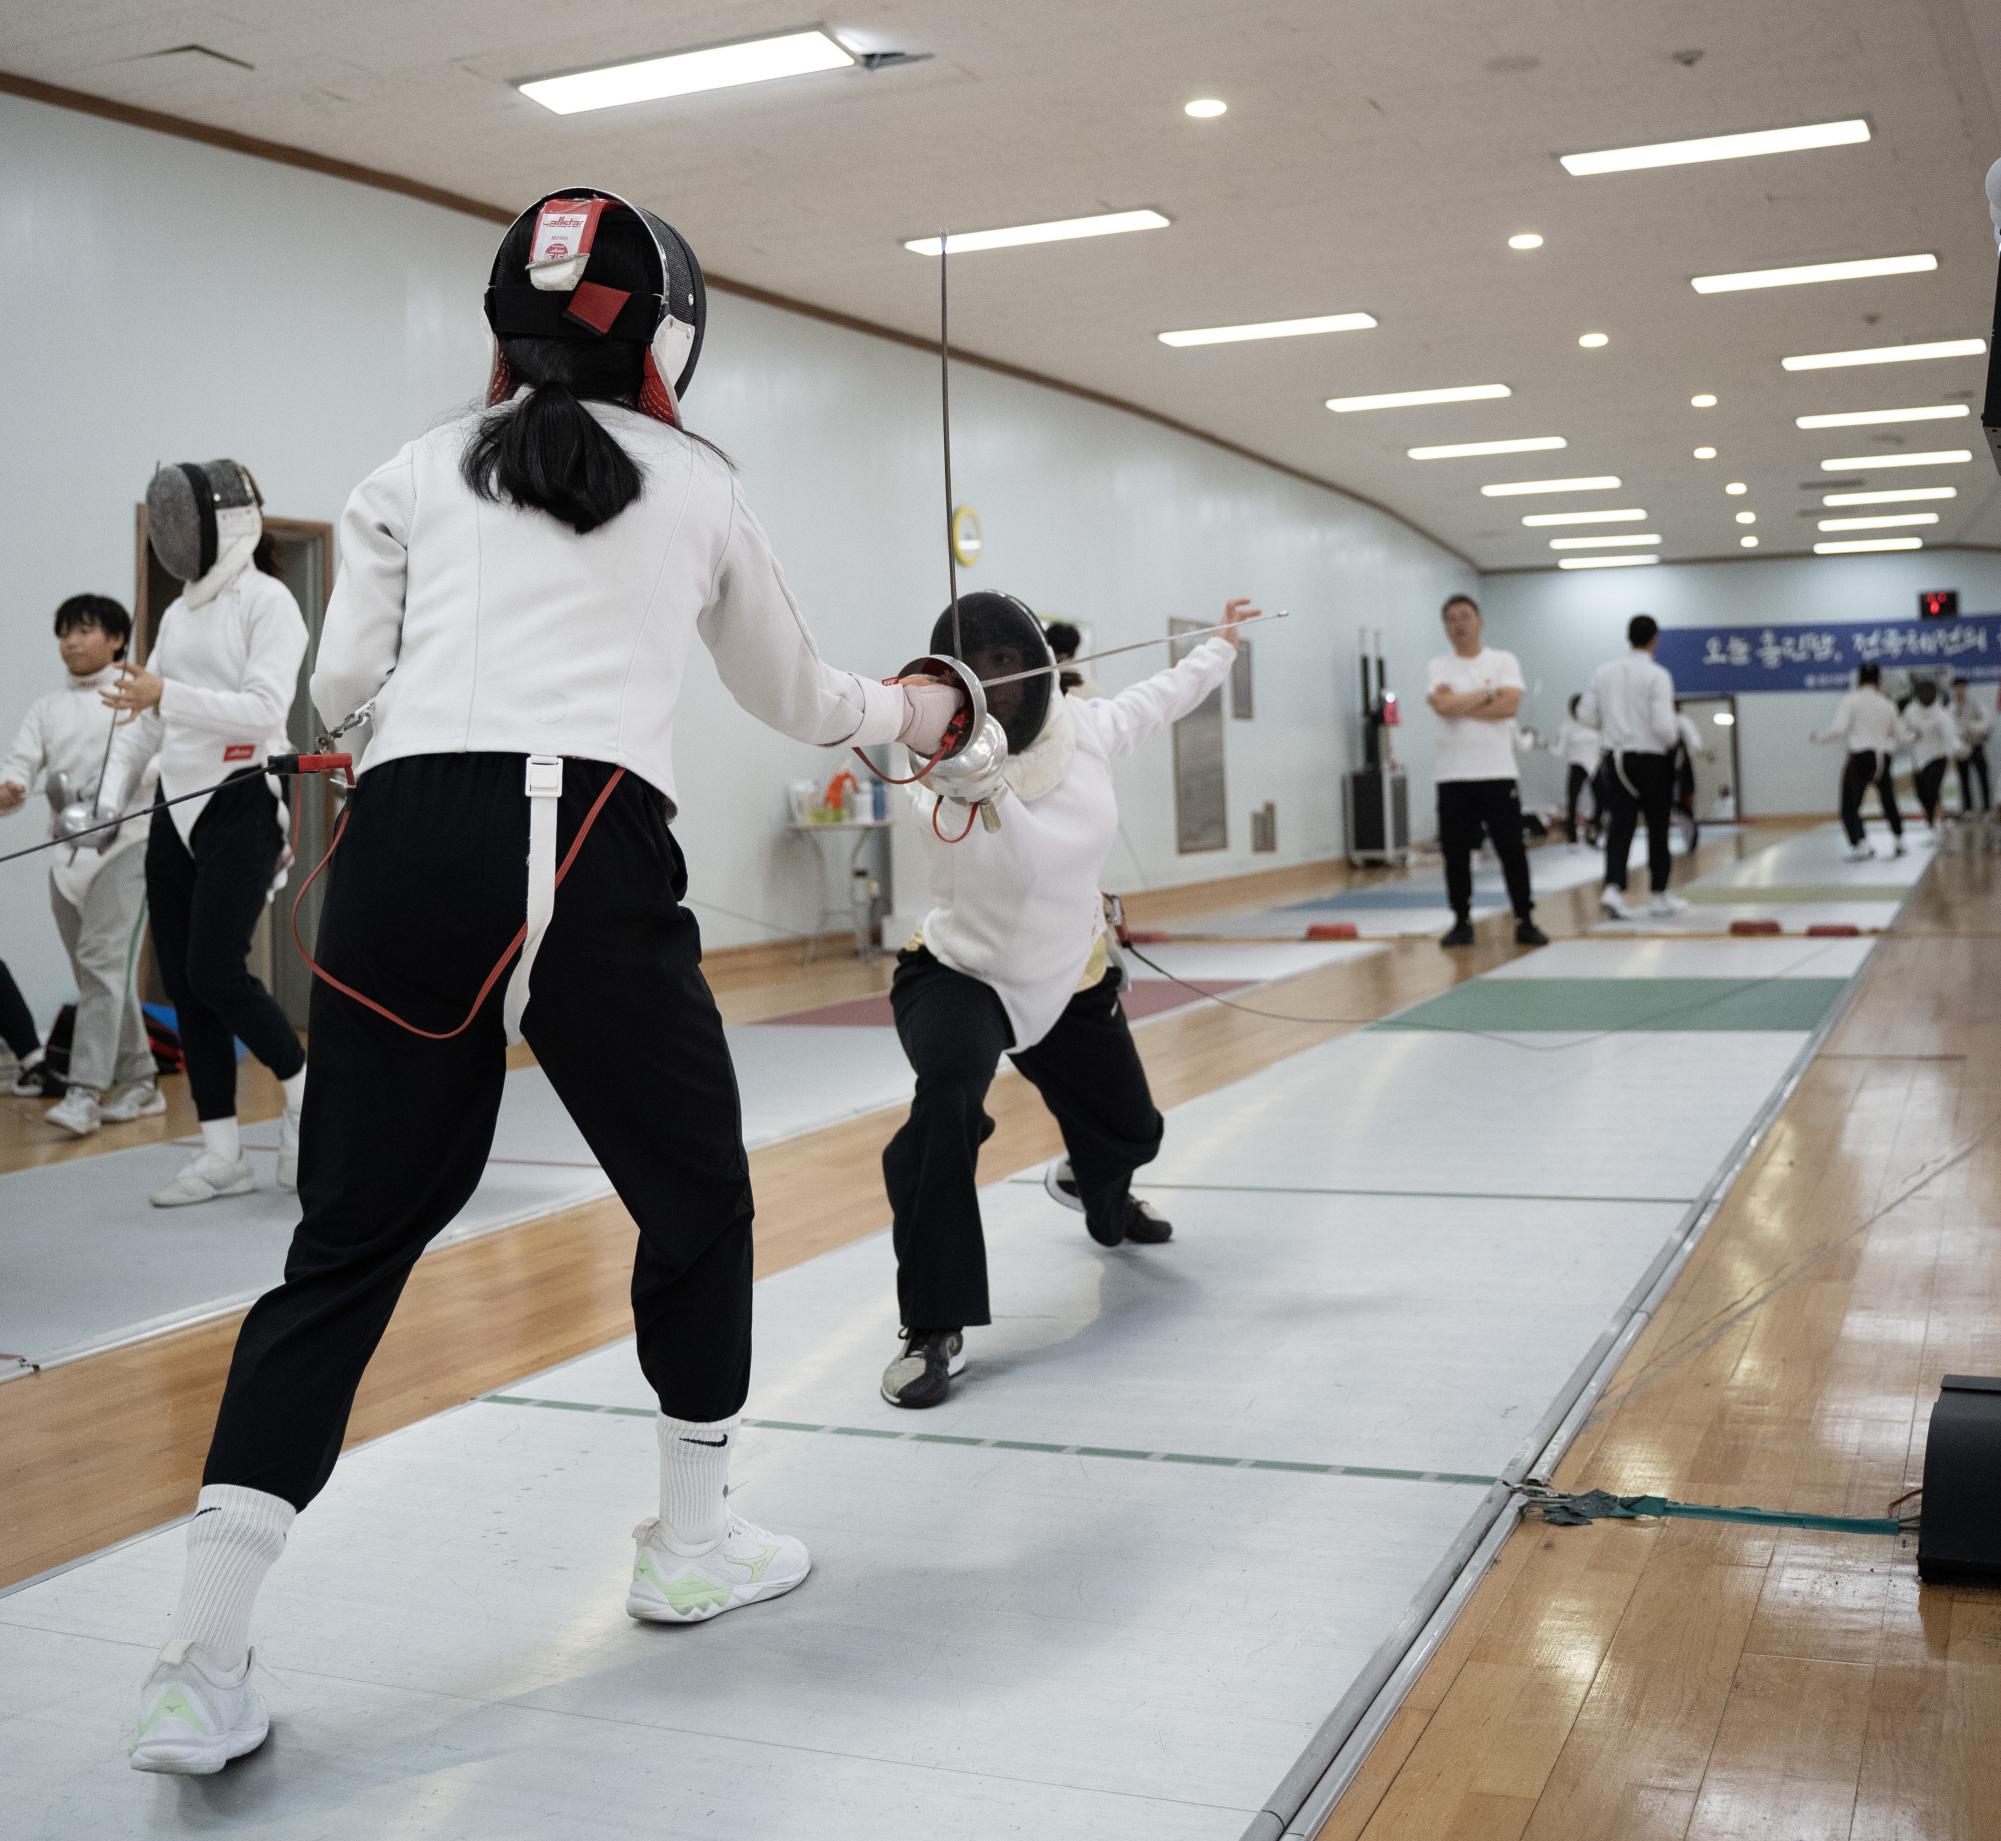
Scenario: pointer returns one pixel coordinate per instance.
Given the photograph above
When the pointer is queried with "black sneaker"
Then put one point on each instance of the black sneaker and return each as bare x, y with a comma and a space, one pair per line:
1144, 1226
922, 1374
1461, 934
1527, 933
1061, 1182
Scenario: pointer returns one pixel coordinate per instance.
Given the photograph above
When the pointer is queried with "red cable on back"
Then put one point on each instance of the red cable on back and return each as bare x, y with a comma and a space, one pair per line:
492, 978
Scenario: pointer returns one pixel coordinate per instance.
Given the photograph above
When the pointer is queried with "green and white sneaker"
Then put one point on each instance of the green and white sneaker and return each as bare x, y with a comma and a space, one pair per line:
191, 1722
747, 1564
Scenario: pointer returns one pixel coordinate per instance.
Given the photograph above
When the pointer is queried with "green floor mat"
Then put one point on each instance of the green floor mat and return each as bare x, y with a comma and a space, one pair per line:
1519, 1005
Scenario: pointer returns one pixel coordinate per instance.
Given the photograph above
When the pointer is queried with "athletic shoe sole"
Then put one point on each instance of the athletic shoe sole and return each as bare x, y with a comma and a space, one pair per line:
648, 1608
955, 1367
1057, 1193
186, 1759
242, 1186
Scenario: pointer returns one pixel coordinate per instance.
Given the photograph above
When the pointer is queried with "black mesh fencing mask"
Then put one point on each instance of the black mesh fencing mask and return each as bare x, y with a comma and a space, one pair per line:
1001, 637
195, 509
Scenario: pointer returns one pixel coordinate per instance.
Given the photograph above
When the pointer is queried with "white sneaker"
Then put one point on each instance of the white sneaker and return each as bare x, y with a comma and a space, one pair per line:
77, 1113
192, 1723
288, 1153
205, 1178
1061, 1182
747, 1564
1665, 904
1860, 853
136, 1099
28, 1077
1613, 901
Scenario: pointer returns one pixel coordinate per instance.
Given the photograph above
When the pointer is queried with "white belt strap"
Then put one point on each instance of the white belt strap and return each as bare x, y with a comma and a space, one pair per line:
545, 791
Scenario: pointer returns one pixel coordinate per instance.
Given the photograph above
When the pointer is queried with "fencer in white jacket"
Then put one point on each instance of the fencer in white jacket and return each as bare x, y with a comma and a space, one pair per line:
1012, 958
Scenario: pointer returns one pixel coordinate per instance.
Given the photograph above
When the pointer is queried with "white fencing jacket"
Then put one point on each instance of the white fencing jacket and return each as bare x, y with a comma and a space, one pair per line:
64, 732
1934, 734
1866, 722
482, 627
232, 669
1019, 908
1631, 700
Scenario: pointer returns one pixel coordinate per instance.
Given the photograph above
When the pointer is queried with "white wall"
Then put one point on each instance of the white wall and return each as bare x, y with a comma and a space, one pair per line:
201, 303
1564, 623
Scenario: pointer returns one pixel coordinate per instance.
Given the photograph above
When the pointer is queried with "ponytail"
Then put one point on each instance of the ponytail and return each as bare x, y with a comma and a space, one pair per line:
549, 452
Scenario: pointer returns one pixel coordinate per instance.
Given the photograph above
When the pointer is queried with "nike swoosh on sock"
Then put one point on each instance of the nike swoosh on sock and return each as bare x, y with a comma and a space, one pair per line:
714, 1444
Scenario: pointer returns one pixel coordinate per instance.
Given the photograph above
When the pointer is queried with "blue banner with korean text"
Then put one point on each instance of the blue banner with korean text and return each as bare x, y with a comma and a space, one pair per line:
1714, 661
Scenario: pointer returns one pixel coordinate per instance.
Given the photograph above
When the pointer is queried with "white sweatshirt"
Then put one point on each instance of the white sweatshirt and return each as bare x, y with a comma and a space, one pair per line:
232, 670
1975, 722
1934, 734
1578, 743
1019, 908
1631, 699
1865, 722
482, 627
64, 732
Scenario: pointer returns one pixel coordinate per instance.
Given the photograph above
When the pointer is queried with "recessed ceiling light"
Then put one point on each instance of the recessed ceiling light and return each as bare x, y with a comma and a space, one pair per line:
1704, 401
1461, 450
1413, 399
1717, 147
1747, 517
1862, 544
1542, 519
1619, 540
1744, 543
1906, 495
1527, 240
1868, 463
1736, 488
1058, 230
1705, 453
1879, 524
1591, 341
684, 73
1206, 108
1264, 329
1602, 482
1886, 354
1868, 418
1605, 562
1802, 274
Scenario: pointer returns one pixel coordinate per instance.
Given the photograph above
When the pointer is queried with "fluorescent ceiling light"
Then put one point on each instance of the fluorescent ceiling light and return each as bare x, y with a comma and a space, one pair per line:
1540, 519
1527, 240
1801, 274
1747, 517
1414, 399
1905, 495
1860, 545
1879, 524
683, 73
1264, 329
1869, 418
1460, 450
1747, 543
1886, 354
1703, 401
1727, 719
1591, 341
1059, 230
1514, 488
1736, 489
1868, 463
1605, 562
1705, 453
1206, 108
1619, 540
1716, 147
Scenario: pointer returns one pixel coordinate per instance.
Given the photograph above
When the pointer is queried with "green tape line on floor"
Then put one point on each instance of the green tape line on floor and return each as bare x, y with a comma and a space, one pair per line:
1039, 1446
1753, 894
1421, 1195
1625, 1005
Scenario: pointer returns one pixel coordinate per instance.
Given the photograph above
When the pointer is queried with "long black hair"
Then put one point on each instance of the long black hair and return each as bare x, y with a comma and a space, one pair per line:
547, 450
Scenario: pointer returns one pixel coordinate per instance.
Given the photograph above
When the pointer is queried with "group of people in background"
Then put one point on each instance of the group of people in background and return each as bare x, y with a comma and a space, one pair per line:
1939, 730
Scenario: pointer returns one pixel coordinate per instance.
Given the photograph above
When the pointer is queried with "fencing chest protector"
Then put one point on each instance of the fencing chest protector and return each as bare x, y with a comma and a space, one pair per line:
552, 295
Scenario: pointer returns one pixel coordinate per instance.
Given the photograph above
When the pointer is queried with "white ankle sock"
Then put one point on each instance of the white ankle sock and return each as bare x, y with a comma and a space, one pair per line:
694, 1479
220, 1138
295, 1092
233, 1540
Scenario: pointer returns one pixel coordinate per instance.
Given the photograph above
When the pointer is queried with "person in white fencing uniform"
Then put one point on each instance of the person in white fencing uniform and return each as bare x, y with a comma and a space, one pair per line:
518, 596
1579, 747
97, 888
1631, 703
1867, 724
1975, 722
1935, 743
1013, 959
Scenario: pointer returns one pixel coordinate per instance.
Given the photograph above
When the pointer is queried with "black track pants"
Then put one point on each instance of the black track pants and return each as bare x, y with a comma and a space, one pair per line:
1930, 783
1466, 808
204, 898
17, 1021
1640, 785
1860, 772
1087, 1070
1576, 779
429, 885
1971, 770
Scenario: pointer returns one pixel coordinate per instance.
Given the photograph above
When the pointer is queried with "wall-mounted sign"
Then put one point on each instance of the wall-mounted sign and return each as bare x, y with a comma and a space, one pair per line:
966, 539
1725, 660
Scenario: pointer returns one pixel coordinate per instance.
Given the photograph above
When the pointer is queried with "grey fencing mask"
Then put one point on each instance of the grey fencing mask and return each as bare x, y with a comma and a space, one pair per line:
197, 511
1001, 636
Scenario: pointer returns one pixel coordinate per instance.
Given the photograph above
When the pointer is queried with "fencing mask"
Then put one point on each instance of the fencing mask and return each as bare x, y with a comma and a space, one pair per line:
586, 264
199, 512
1001, 637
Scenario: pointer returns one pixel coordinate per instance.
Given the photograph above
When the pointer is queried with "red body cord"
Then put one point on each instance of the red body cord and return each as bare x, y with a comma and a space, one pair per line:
500, 965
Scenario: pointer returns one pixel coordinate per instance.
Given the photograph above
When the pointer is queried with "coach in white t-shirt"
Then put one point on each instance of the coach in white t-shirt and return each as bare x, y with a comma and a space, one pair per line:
1476, 692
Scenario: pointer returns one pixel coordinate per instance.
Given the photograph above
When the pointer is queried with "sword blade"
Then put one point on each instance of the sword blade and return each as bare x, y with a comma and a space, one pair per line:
1138, 645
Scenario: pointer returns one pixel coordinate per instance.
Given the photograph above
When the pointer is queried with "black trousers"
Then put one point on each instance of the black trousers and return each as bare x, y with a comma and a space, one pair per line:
1575, 781
429, 885
1930, 783
205, 898
1087, 1070
1466, 809
17, 1021
1972, 768
1640, 785
1860, 772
